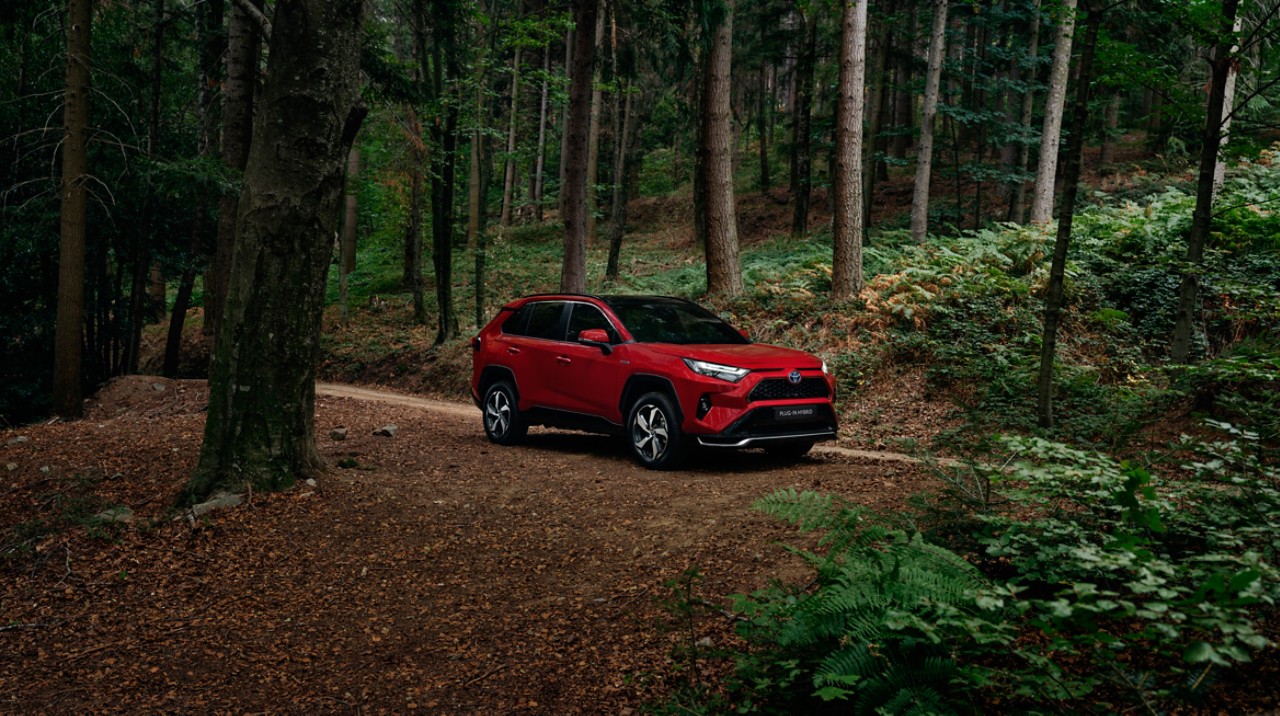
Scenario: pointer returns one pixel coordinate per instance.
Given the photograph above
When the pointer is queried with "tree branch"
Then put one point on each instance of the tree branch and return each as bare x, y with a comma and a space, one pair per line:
264, 25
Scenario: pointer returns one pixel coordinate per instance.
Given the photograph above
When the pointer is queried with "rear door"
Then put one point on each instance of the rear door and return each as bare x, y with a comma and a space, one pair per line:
531, 347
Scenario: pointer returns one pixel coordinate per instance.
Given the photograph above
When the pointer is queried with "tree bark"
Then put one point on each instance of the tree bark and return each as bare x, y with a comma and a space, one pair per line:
540, 165
847, 226
1202, 216
260, 426
569, 44
1228, 99
243, 49
618, 219
924, 150
593, 136
870, 167
1072, 156
1018, 203
347, 243
720, 224
509, 165
763, 107
68, 383
573, 272
1055, 100
802, 130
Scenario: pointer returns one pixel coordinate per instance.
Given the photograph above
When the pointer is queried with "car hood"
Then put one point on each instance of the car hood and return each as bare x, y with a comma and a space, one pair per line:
753, 356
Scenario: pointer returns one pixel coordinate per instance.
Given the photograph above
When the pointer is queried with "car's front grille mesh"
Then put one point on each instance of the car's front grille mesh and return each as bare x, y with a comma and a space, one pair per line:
783, 389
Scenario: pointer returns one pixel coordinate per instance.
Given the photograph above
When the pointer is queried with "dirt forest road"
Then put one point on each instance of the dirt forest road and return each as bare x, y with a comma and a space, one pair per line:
428, 572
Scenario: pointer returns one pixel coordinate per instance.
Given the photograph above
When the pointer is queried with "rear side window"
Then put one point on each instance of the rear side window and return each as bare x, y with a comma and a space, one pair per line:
518, 321
545, 320
585, 317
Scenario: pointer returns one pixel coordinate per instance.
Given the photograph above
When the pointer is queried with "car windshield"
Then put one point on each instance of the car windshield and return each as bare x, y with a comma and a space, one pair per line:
668, 320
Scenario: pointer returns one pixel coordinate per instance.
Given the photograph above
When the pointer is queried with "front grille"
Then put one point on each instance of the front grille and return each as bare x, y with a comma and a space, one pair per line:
783, 389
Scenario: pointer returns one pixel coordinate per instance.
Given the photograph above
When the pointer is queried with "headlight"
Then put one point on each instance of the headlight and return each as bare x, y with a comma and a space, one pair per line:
824, 368
715, 370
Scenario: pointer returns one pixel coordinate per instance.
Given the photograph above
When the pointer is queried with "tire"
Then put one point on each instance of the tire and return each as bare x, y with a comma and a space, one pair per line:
503, 422
654, 434
789, 452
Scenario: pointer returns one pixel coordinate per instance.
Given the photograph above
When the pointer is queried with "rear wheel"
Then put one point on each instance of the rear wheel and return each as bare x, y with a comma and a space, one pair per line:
653, 431
503, 422
789, 451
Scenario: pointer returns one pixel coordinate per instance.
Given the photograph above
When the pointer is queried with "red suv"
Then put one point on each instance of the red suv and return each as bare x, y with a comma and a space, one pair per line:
663, 372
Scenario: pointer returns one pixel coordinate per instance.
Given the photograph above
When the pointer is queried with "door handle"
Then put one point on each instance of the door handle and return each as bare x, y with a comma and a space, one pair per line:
564, 360
513, 351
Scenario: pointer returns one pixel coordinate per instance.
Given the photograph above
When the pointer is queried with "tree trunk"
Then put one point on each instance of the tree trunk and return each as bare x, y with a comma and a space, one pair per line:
1228, 99
573, 272
904, 97
509, 165
243, 49
1018, 203
413, 237
924, 151
871, 167
565, 112
720, 226
212, 46
1042, 201
593, 136
540, 162
618, 217
260, 426
847, 226
349, 214
1111, 123
801, 137
763, 107
1072, 156
1202, 216
68, 383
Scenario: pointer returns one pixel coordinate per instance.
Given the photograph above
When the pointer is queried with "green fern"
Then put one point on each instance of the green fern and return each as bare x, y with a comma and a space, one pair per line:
877, 625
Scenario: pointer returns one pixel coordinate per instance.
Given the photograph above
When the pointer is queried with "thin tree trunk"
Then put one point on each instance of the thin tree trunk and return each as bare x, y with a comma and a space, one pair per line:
924, 152
764, 103
847, 226
1228, 99
1201, 217
871, 167
540, 166
904, 97
243, 49
68, 383
1111, 123
1072, 157
593, 136
565, 111
413, 240
618, 225
509, 165
720, 237
573, 272
1017, 205
1042, 201
212, 45
801, 139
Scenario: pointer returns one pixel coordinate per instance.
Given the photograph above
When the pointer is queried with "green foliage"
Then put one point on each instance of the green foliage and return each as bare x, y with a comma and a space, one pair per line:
880, 626
1115, 560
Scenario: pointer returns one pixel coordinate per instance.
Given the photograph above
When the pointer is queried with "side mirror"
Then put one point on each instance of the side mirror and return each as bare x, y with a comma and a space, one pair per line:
598, 337
744, 333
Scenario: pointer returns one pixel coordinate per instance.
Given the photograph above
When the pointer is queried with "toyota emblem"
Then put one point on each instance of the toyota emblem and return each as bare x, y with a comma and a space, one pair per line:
794, 377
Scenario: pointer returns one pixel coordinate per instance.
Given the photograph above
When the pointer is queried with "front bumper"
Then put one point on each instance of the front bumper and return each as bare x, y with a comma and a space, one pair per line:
764, 426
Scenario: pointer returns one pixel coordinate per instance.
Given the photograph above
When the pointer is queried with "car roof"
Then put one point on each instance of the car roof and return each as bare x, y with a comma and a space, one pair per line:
611, 299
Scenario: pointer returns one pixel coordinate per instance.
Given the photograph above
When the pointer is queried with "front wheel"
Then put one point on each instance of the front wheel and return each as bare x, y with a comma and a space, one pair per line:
503, 422
653, 430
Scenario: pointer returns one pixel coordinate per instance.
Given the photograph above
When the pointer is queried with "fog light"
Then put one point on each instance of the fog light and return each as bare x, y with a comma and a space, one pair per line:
704, 405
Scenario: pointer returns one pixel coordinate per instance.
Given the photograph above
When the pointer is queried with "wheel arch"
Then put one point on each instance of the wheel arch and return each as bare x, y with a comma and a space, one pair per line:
495, 373
639, 384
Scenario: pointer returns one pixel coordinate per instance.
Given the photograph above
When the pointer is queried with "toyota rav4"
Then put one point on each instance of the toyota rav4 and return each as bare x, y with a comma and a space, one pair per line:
664, 373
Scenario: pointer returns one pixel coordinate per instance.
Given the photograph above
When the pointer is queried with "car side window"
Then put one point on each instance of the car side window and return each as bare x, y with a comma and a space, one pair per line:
518, 321
585, 317
545, 320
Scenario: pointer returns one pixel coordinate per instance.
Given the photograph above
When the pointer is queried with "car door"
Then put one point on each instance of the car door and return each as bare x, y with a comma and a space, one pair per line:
589, 379
531, 350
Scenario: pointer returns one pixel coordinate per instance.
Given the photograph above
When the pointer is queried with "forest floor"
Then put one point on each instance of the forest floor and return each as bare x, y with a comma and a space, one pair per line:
428, 571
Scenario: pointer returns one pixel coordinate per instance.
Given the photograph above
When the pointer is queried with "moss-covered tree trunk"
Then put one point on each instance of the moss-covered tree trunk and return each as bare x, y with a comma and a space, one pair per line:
260, 429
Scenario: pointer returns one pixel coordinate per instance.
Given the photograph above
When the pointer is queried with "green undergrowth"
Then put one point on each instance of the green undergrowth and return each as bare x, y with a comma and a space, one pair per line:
1077, 582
